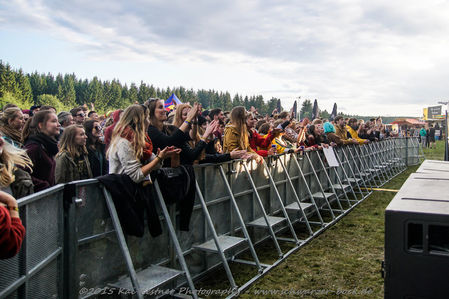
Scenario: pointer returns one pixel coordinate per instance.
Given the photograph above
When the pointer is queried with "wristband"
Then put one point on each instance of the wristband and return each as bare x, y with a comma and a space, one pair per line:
187, 122
160, 159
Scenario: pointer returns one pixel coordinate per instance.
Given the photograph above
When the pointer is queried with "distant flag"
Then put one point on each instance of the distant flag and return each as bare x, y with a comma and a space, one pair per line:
334, 112
294, 110
171, 102
278, 107
315, 110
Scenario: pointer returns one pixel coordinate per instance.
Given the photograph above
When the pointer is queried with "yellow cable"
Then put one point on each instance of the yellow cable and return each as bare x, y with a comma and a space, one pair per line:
380, 189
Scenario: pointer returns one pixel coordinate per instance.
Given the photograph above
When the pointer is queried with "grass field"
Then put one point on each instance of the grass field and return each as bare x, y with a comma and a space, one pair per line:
343, 262
435, 154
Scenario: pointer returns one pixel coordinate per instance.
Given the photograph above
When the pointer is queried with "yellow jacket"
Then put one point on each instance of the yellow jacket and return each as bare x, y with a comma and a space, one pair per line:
231, 140
280, 148
354, 135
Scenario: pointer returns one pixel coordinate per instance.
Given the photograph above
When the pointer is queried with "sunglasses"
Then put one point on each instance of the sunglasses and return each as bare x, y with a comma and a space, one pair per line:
98, 128
81, 114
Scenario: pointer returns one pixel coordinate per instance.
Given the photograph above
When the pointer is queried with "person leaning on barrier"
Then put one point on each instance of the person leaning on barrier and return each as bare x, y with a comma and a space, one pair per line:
96, 149
279, 146
194, 150
352, 130
131, 159
131, 149
72, 163
341, 131
366, 131
315, 137
12, 231
12, 123
258, 143
159, 132
39, 136
180, 187
330, 133
236, 134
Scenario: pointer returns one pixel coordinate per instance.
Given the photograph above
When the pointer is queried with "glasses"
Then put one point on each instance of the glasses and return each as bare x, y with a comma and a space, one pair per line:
98, 128
81, 115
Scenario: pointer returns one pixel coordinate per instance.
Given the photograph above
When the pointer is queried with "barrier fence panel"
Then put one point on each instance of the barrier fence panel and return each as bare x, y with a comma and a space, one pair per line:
73, 250
38, 270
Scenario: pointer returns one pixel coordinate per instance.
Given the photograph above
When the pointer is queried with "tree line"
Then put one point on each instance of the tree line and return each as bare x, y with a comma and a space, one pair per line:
67, 91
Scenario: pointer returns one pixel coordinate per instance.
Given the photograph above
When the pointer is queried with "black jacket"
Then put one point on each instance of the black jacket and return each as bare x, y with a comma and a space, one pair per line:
131, 200
98, 165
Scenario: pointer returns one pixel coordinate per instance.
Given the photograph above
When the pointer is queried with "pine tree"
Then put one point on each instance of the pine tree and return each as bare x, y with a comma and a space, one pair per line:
66, 91
306, 109
95, 93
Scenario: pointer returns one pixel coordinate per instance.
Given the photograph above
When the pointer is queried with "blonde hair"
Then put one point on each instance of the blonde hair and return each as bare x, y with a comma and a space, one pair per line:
67, 142
8, 113
238, 120
177, 122
11, 157
133, 118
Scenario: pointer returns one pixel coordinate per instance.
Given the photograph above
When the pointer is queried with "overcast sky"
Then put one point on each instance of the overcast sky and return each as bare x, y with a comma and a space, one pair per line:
371, 57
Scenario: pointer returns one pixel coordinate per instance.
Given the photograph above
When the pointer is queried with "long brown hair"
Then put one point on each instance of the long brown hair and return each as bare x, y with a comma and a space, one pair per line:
133, 118
151, 105
238, 120
31, 127
67, 142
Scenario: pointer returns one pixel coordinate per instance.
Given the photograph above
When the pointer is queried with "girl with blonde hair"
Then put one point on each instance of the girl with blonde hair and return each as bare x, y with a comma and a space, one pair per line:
10, 158
72, 163
131, 150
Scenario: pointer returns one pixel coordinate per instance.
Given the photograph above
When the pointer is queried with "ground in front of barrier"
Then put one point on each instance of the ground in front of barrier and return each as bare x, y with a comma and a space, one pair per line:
435, 153
343, 262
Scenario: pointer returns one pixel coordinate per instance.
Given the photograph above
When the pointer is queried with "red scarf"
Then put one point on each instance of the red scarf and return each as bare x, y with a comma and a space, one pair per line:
128, 134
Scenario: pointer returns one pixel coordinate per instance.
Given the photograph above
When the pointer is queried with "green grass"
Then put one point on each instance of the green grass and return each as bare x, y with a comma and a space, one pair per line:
346, 257
343, 262
435, 154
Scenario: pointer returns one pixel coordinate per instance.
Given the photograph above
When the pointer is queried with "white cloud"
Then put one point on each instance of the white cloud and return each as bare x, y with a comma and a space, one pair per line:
371, 58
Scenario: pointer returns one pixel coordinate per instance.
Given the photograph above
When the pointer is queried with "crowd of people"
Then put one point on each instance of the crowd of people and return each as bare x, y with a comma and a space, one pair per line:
427, 135
42, 147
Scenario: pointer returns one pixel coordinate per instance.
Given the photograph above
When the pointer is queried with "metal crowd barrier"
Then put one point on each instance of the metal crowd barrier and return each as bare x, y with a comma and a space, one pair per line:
75, 248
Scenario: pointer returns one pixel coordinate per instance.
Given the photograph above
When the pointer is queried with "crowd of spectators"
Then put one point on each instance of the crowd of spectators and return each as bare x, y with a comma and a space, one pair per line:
41, 147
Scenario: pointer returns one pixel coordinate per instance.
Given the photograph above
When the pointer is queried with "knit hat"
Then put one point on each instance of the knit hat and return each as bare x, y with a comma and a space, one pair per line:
328, 128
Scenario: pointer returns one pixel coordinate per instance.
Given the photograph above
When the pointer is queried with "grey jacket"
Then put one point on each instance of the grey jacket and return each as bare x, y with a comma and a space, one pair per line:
122, 161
